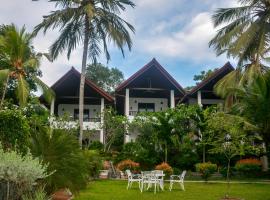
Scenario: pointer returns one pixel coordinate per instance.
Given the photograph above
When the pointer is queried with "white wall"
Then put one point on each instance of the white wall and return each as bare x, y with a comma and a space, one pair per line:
94, 110
157, 101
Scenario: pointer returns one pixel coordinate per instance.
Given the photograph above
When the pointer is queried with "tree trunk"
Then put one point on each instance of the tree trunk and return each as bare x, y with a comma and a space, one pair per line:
203, 153
166, 153
82, 81
264, 159
4, 93
228, 178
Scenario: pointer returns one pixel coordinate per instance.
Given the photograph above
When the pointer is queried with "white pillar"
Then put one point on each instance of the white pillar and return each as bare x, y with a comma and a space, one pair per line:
101, 139
172, 99
52, 107
127, 102
199, 98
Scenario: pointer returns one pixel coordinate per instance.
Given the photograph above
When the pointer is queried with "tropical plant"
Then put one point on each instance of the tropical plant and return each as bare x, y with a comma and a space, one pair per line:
206, 169
114, 127
38, 194
229, 136
19, 173
244, 37
165, 167
106, 78
15, 130
94, 162
64, 157
128, 164
17, 62
92, 23
249, 167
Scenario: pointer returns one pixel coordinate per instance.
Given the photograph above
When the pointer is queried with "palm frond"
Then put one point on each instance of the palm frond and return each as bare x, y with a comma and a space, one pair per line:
48, 93
22, 90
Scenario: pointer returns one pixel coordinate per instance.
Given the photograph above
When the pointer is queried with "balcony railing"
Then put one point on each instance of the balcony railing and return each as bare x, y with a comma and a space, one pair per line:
133, 113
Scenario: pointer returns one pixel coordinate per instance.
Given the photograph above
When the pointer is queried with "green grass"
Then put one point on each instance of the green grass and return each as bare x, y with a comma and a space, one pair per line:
116, 190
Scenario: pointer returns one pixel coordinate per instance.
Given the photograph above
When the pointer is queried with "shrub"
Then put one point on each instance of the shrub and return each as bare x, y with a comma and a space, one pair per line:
206, 169
128, 164
18, 173
14, 130
96, 145
38, 194
94, 162
248, 167
165, 167
64, 156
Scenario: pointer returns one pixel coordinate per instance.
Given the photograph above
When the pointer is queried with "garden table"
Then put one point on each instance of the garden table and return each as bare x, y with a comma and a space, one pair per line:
151, 178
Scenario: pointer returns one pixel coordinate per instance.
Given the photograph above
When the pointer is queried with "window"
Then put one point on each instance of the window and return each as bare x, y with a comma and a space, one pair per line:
85, 114
146, 107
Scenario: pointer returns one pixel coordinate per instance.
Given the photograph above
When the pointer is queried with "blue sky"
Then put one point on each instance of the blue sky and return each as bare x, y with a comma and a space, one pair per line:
175, 32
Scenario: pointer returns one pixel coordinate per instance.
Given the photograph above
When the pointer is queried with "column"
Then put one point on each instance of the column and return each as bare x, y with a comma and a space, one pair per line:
101, 139
127, 103
52, 107
127, 139
199, 98
172, 99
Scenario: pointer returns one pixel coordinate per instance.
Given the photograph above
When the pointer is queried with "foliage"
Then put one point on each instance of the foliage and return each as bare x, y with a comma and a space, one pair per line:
94, 162
245, 33
204, 75
14, 130
206, 169
135, 151
249, 167
96, 145
114, 127
254, 104
128, 164
38, 194
93, 24
19, 173
19, 64
64, 156
230, 137
165, 167
106, 78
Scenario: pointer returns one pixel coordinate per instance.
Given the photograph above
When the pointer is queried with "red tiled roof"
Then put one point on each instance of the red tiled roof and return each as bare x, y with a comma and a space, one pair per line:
155, 63
87, 82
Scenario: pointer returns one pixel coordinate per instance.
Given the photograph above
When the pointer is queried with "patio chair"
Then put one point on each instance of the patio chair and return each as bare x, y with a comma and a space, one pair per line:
133, 178
178, 179
150, 178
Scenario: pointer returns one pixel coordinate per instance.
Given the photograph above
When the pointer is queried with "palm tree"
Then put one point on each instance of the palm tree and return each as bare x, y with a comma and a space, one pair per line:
92, 23
254, 105
17, 58
245, 37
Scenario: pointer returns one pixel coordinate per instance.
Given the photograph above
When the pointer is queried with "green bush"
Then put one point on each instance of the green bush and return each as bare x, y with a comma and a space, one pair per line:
18, 173
206, 169
248, 167
38, 194
96, 145
65, 158
14, 130
94, 162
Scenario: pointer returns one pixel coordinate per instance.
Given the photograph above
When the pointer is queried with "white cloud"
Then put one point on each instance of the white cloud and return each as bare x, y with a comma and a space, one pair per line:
190, 42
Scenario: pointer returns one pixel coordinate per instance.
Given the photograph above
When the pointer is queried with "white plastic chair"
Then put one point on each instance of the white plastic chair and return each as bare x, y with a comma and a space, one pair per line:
178, 179
133, 178
150, 178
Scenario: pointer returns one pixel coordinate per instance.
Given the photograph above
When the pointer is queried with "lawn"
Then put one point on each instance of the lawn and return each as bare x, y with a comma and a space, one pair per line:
116, 190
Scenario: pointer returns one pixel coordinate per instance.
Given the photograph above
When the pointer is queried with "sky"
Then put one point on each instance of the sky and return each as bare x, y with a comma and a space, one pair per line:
175, 32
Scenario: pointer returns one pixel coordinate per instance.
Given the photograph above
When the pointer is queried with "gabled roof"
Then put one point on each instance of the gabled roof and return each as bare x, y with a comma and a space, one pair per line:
156, 64
227, 68
88, 82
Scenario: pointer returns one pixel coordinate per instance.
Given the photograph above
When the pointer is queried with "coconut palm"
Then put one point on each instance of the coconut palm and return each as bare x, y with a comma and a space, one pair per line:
17, 60
92, 23
245, 37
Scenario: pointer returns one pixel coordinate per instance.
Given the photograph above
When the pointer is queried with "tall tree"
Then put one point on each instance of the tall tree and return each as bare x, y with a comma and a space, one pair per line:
92, 23
245, 37
17, 60
105, 77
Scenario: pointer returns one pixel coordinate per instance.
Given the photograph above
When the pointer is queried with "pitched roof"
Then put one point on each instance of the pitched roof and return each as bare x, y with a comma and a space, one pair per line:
152, 63
87, 82
226, 68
